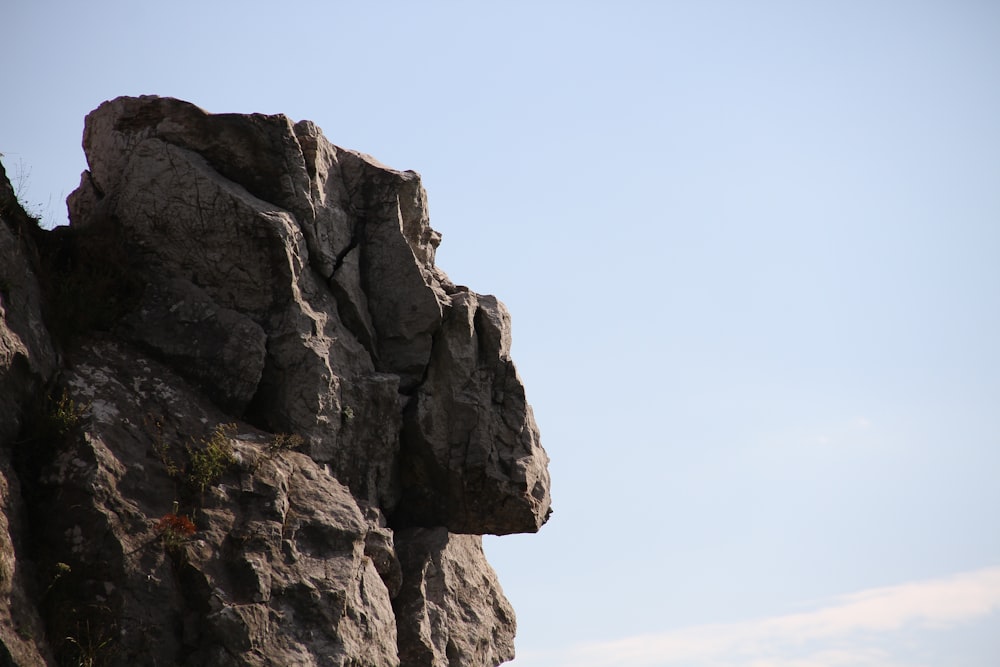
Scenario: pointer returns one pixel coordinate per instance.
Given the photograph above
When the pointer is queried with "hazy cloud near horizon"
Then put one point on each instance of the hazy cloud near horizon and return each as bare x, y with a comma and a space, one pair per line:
870, 628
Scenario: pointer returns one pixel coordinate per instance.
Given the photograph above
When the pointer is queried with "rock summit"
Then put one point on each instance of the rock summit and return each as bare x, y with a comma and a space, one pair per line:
244, 417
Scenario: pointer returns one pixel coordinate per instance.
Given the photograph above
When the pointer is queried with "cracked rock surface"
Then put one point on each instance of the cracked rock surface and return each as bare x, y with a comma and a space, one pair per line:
246, 420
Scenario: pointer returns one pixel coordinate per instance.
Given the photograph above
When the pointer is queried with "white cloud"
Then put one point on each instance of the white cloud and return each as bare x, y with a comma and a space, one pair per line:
861, 422
842, 632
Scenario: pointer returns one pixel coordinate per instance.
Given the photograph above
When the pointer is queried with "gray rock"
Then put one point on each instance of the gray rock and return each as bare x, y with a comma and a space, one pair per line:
451, 610
28, 361
372, 229
217, 348
343, 285
255, 151
380, 547
276, 571
370, 418
189, 222
28, 358
257, 275
472, 458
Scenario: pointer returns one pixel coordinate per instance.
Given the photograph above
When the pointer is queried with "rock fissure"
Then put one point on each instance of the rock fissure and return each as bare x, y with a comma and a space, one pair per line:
357, 233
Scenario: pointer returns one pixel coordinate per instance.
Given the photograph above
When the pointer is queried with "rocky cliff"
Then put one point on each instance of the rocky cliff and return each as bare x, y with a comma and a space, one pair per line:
244, 418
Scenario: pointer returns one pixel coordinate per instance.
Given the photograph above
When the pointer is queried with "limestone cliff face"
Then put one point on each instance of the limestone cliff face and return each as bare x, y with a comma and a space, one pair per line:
245, 419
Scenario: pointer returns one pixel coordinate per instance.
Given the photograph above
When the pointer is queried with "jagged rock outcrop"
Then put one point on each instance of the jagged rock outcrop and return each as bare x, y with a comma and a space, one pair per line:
27, 361
27, 354
276, 430
450, 611
470, 435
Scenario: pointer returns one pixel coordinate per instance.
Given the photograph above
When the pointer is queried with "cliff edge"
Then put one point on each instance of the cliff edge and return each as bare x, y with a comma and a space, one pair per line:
244, 418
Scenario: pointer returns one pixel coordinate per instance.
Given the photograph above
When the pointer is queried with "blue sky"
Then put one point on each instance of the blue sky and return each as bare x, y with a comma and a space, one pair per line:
752, 255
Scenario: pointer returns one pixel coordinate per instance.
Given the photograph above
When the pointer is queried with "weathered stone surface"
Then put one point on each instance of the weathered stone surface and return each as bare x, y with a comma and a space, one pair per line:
370, 417
372, 229
475, 463
405, 308
218, 348
276, 572
28, 361
242, 269
184, 219
450, 610
27, 355
380, 547
233, 144
21, 627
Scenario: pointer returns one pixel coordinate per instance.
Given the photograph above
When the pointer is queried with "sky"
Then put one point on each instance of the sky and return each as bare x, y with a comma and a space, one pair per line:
752, 255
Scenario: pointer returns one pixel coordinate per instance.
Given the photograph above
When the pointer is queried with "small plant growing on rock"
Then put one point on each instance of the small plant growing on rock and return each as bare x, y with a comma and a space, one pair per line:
59, 570
347, 414
284, 442
174, 530
161, 448
21, 184
90, 645
206, 461
61, 417
211, 460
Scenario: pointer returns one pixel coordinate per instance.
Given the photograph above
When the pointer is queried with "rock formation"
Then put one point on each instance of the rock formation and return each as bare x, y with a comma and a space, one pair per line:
244, 418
